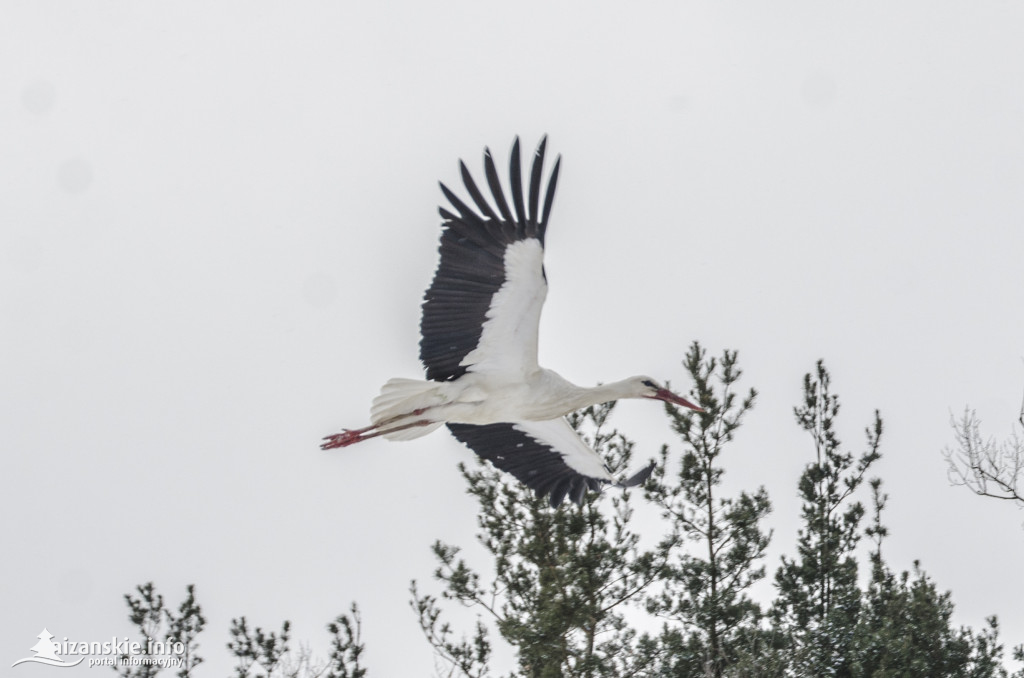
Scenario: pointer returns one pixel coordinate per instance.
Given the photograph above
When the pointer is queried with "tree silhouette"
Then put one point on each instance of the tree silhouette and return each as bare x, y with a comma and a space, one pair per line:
46, 648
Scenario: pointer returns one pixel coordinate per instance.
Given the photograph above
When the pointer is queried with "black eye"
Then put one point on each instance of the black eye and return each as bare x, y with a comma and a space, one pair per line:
648, 383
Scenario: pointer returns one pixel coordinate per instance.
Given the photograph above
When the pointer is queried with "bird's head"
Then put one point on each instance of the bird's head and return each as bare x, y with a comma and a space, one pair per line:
649, 388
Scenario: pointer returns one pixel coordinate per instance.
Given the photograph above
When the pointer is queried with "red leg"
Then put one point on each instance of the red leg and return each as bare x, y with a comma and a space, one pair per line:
348, 437
352, 436
344, 439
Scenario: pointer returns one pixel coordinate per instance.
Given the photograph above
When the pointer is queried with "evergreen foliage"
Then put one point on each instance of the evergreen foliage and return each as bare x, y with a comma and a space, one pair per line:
705, 591
562, 577
260, 654
184, 628
149, 615
819, 599
904, 627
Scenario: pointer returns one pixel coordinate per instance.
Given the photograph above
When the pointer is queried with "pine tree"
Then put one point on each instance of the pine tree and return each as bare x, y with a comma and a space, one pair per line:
707, 590
346, 646
147, 614
904, 627
254, 651
184, 627
818, 596
562, 577
257, 650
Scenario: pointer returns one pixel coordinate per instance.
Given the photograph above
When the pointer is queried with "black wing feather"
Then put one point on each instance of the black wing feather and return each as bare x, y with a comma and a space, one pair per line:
532, 462
492, 180
638, 478
459, 206
515, 176
475, 193
549, 198
535, 176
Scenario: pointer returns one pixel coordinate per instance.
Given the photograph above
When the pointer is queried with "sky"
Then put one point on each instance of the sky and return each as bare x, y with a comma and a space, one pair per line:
218, 220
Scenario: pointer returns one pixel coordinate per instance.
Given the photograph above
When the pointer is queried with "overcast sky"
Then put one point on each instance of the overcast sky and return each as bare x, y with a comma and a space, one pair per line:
218, 219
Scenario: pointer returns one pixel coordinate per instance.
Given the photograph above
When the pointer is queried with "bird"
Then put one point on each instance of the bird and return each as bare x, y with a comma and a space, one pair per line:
479, 332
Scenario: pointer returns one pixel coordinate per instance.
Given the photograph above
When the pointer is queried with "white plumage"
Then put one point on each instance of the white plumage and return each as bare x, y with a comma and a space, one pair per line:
479, 345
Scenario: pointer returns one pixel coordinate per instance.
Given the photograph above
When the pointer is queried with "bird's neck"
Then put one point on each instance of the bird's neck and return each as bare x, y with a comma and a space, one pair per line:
585, 397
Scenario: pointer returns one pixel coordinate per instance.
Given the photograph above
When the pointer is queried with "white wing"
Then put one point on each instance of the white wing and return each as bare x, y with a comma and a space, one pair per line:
508, 342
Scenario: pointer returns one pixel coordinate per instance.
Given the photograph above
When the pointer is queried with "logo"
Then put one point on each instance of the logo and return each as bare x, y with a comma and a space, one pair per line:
111, 653
46, 652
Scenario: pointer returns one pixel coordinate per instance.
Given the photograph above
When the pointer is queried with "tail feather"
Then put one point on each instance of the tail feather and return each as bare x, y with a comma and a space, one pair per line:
399, 397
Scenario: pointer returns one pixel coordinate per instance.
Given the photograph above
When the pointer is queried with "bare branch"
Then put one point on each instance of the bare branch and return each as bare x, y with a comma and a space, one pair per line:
986, 467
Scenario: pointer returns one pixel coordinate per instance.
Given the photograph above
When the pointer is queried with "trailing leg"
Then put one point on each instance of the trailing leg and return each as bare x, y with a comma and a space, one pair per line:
349, 437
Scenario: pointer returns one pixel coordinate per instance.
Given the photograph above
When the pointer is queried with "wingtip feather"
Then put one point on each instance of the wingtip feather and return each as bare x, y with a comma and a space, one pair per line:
535, 176
559, 491
549, 198
459, 206
638, 478
495, 185
515, 176
474, 192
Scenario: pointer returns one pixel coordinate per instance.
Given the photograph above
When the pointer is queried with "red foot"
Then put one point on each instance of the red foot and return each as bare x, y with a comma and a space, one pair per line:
343, 439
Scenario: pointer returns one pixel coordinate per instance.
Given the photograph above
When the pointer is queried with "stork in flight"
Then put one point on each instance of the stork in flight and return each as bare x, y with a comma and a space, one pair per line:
479, 347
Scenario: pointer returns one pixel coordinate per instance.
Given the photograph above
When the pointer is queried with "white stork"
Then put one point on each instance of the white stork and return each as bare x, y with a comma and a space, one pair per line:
479, 347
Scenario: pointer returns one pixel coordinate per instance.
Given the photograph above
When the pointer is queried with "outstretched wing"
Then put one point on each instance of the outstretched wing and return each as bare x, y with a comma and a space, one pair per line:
546, 456
482, 311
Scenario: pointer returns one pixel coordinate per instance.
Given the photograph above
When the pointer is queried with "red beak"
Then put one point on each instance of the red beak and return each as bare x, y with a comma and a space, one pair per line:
670, 397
